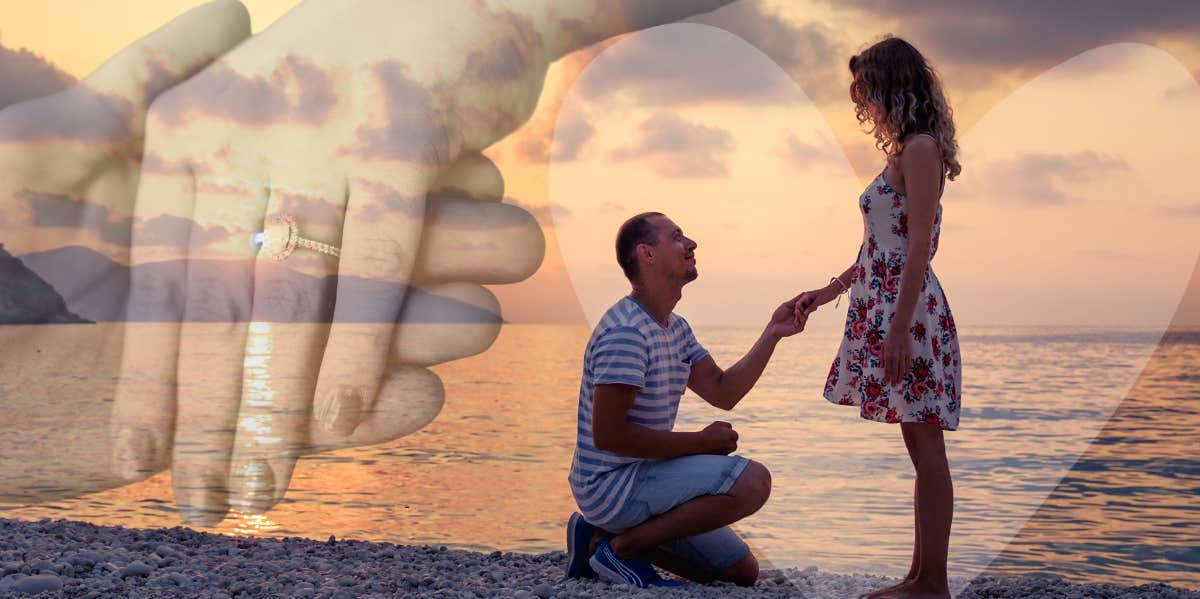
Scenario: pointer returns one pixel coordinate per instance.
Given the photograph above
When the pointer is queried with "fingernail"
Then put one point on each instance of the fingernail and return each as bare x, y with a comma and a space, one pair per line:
205, 506
255, 490
341, 410
133, 454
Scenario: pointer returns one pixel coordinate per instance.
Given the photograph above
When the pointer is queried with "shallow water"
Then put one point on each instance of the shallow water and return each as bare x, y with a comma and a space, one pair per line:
490, 471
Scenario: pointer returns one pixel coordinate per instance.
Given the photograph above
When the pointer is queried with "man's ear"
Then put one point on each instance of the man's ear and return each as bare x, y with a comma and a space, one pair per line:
644, 250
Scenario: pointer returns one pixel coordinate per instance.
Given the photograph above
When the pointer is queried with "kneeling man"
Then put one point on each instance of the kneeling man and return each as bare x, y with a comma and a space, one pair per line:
650, 495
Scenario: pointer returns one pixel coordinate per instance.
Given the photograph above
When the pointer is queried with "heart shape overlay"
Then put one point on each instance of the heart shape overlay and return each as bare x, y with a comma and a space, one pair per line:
1074, 209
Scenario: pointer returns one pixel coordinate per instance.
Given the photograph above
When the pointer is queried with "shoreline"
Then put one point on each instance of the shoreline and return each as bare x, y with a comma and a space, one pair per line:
78, 559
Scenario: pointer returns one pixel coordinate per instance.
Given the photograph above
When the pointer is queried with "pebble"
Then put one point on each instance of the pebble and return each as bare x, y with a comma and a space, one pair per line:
42, 583
135, 569
222, 567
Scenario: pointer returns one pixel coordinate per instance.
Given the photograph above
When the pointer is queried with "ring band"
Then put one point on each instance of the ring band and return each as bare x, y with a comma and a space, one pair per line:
281, 237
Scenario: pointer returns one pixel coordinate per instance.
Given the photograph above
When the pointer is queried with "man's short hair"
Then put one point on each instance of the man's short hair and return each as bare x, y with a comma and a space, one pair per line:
635, 231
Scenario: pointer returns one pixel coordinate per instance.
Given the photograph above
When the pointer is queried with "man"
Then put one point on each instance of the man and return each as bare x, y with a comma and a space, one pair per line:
649, 495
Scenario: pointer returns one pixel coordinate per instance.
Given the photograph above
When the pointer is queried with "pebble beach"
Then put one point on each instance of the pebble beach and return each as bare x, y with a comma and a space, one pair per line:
64, 558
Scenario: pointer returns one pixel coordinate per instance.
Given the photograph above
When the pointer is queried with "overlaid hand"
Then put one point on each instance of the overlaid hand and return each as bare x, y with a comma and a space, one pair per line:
69, 170
332, 132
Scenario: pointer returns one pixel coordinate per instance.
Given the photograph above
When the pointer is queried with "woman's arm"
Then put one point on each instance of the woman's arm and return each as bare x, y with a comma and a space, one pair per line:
920, 164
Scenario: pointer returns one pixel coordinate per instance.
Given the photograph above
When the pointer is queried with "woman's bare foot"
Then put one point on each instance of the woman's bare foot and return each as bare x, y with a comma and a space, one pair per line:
886, 592
918, 589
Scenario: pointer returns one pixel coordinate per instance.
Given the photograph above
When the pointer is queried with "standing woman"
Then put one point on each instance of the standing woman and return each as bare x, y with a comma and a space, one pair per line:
899, 359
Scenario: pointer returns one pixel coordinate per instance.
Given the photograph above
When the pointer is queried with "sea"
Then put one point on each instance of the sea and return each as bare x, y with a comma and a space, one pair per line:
1078, 454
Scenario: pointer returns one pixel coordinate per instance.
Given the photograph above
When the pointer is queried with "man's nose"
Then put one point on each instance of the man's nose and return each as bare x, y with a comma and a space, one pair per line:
689, 244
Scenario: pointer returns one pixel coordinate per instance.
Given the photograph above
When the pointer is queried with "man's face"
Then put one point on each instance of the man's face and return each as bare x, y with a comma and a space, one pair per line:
674, 254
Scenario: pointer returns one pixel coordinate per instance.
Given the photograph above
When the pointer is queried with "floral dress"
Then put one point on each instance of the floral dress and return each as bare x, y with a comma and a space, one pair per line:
930, 391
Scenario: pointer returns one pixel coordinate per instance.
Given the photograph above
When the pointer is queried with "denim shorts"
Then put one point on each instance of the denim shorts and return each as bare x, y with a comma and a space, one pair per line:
661, 485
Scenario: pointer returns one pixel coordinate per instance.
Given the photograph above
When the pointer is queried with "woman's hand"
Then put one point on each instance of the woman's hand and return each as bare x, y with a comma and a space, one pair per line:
897, 355
809, 301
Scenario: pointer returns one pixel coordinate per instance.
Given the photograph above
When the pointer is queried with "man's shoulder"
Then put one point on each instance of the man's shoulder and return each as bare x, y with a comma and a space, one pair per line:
625, 314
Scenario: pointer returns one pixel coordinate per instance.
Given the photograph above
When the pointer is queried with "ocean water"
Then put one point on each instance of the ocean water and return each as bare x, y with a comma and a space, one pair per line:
1077, 455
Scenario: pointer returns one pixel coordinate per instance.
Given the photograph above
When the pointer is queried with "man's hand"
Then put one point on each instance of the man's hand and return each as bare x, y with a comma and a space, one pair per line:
719, 438
788, 319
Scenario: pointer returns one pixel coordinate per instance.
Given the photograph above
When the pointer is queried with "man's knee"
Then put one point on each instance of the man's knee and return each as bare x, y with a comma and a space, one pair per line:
753, 486
744, 573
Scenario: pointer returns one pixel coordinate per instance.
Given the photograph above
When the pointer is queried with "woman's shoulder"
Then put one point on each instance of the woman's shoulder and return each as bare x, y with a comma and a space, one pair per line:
920, 139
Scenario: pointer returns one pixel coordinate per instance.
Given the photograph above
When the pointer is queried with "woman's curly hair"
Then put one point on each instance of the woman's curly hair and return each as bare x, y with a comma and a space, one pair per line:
896, 78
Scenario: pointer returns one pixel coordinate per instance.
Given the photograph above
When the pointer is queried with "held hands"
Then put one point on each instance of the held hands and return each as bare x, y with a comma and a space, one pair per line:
718, 438
788, 319
809, 301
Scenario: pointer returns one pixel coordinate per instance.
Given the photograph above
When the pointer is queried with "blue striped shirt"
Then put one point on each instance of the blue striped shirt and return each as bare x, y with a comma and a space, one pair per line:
628, 347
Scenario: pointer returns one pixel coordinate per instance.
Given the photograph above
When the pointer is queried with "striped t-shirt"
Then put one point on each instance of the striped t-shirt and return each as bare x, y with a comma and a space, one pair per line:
628, 347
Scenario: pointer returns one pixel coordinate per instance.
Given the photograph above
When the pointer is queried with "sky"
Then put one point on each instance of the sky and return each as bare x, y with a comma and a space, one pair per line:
1075, 205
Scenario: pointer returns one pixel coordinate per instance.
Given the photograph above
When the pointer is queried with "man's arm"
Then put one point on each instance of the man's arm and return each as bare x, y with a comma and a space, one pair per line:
725, 388
611, 431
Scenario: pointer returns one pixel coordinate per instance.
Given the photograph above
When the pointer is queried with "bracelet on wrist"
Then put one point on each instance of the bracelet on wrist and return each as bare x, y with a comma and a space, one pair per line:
840, 293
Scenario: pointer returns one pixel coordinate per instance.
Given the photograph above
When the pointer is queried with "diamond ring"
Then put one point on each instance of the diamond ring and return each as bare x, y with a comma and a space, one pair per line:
280, 237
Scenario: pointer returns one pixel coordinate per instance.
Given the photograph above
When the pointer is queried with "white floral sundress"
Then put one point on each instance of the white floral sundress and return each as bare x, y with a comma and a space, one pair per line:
930, 391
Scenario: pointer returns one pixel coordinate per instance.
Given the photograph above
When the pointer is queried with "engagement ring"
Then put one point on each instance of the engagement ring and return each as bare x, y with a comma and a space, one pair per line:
281, 237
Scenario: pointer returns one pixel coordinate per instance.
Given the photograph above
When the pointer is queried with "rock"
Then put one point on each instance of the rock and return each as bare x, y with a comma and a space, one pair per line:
135, 569
523, 594
27, 298
543, 590
42, 583
179, 579
42, 564
7, 568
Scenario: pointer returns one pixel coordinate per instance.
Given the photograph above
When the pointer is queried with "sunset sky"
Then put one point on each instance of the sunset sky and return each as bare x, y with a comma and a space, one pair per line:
1076, 204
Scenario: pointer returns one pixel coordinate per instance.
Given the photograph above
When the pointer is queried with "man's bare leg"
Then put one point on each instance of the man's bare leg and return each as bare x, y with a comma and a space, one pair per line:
698, 515
743, 573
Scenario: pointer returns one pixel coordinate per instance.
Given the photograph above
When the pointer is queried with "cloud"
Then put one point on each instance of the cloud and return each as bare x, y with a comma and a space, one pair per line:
689, 65
676, 148
26, 75
60, 211
1028, 33
1191, 210
1184, 90
297, 91
406, 131
802, 155
570, 137
544, 213
1041, 179
812, 54
175, 231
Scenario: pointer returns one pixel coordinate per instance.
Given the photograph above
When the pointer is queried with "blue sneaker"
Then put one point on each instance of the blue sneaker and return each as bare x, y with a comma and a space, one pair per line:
579, 535
638, 572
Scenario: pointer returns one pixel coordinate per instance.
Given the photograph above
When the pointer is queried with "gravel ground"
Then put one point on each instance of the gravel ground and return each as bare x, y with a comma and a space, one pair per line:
64, 558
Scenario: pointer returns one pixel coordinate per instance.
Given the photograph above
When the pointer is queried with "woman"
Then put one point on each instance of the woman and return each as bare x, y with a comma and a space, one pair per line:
899, 359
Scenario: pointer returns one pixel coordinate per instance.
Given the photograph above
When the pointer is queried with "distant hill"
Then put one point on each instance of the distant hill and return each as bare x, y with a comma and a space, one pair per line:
95, 287
27, 299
